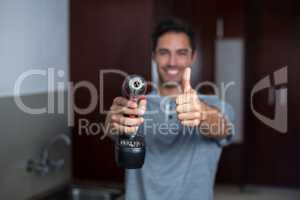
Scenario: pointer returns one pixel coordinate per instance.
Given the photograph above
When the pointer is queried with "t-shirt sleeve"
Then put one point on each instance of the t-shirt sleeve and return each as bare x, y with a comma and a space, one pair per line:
228, 113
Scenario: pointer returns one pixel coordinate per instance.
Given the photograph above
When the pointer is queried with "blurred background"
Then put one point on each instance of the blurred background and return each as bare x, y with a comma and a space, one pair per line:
45, 155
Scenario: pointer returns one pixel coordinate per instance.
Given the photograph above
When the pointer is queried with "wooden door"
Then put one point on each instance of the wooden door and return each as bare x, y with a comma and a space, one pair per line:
106, 34
273, 42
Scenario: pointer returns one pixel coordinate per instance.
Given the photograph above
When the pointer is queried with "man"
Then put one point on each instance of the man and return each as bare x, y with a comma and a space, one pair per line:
184, 132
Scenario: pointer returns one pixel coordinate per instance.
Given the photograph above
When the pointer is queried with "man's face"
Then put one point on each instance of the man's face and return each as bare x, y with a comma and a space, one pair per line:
173, 54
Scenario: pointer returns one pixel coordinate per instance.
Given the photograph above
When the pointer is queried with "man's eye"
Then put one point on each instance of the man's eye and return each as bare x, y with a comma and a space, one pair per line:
163, 53
182, 53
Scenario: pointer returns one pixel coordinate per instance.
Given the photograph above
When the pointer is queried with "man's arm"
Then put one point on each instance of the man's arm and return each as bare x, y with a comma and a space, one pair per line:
214, 124
206, 115
118, 121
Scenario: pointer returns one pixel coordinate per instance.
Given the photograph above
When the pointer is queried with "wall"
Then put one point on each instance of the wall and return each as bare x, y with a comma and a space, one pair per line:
229, 70
33, 35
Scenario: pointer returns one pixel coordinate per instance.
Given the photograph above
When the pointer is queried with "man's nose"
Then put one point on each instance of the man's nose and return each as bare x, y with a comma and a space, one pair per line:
172, 60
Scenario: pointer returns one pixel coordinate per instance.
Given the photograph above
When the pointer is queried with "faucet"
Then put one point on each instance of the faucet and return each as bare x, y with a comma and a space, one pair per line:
44, 164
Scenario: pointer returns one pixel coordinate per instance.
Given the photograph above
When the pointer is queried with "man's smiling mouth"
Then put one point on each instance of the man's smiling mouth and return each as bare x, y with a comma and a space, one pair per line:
172, 72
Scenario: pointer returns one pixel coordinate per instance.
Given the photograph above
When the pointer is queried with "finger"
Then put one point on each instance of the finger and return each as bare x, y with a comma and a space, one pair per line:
191, 123
124, 129
189, 116
186, 80
186, 98
121, 101
184, 108
124, 110
127, 121
116, 109
142, 106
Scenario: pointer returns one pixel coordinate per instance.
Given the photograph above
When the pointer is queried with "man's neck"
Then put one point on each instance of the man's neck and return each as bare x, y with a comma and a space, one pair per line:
170, 91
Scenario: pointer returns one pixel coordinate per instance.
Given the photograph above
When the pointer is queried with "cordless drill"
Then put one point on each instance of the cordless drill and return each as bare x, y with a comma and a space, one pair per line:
130, 149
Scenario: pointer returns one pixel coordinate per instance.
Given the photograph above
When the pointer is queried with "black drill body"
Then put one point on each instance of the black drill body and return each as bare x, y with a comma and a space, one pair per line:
130, 149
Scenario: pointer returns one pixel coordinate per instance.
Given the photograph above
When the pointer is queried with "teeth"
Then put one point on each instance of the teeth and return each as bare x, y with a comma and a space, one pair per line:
172, 71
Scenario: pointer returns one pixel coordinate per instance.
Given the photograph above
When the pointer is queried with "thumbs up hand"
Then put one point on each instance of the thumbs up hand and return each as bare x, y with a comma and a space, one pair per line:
190, 110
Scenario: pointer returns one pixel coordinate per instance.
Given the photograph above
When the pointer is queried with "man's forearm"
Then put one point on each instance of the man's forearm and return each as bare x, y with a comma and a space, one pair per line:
213, 124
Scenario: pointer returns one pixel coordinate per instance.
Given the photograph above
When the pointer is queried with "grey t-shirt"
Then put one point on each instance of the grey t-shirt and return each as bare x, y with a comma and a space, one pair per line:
180, 163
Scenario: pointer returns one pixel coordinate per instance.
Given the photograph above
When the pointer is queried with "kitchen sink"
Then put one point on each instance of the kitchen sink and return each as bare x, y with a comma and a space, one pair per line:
73, 192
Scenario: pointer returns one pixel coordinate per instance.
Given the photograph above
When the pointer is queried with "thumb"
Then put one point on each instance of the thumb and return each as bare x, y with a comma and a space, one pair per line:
142, 106
186, 80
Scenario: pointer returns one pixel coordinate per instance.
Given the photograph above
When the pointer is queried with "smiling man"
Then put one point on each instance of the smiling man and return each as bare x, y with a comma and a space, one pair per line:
184, 131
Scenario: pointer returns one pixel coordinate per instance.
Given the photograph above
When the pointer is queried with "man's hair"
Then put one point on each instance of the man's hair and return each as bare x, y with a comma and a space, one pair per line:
173, 25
